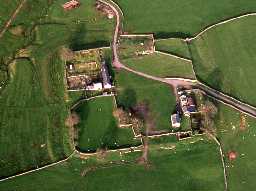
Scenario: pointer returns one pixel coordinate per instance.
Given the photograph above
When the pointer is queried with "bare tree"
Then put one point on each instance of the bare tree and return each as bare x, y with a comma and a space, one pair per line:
66, 54
72, 119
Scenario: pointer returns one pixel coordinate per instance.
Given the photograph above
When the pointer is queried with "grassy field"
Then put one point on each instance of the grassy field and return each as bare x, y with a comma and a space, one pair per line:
237, 133
32, 105
161, 66
178, 18
32, 124
98, 127
173, 46
227, 62
159, 96
198, 164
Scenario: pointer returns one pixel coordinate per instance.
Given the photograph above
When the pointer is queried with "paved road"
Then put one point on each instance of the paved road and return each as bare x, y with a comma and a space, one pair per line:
250, 110
243, 107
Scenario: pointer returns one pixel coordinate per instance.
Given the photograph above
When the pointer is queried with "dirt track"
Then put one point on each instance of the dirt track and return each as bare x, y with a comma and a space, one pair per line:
8, 23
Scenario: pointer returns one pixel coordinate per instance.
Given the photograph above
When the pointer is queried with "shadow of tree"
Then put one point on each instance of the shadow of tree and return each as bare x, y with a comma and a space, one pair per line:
127, 99
162, 34
79, 39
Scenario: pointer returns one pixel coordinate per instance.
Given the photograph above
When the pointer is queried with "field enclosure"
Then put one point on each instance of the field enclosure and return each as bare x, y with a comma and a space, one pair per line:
161, 65
224, 58
138, 53
83, 67
98, 127
178, 18
134, 46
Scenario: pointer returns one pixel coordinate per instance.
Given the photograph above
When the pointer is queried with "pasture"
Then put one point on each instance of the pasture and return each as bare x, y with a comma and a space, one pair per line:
98, 127
175, 46
198, 164
161, 65
224, 58
133, 90
178, 18
32, 130
237, 132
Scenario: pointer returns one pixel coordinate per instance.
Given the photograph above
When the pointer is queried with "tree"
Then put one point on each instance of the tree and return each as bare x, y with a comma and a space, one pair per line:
66, 54
127, 99
209, 111
72, 119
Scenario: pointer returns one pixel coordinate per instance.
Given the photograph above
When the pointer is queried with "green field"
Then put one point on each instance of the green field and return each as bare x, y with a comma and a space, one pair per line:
179, 18
234, 137
173, 46
32, 118
188, 167
161, 65
159, 96
224, 58
98, 127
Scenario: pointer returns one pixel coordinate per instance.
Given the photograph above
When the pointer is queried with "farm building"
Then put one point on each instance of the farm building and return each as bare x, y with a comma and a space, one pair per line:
175, 118
105, 9
71, 5
105, 76
187, 103
94, 87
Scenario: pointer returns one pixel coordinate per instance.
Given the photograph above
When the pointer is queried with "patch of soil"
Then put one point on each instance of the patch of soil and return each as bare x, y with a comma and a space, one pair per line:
232, 155
72, 119
242, 122
17, 30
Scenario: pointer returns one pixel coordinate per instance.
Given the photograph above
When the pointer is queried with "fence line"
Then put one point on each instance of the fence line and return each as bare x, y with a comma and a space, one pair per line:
37, 169
221, 23
87, 99
172, 55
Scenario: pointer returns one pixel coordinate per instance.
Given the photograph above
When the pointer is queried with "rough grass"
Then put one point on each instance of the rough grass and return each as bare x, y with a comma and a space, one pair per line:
241, 140
179, 18
98, 127
224, 58
32, 125
161, 66
6, 10
175, 46
198, 164
159, 96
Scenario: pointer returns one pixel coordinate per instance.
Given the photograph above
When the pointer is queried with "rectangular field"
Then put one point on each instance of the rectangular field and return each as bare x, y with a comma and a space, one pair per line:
98, 127
32, 130
161, 65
